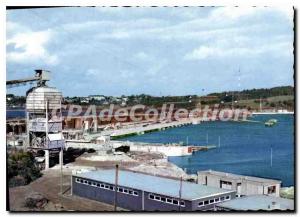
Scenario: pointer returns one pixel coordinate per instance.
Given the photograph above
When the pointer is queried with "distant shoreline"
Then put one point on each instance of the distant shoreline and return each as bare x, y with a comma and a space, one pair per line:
273, 113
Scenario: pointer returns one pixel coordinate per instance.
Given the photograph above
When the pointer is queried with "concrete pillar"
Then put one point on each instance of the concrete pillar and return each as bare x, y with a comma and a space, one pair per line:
78, 123
61, 157
86, 125
95, 125
46, 159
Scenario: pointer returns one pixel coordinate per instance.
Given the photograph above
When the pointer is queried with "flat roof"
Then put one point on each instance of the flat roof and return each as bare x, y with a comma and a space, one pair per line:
240, 177
154, 184
258, 202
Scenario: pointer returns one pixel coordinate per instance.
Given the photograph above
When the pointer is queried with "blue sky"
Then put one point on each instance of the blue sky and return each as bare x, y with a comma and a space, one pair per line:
157, 51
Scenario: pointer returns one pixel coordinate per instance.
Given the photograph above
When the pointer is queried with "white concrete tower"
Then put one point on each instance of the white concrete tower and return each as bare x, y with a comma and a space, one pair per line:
44, 118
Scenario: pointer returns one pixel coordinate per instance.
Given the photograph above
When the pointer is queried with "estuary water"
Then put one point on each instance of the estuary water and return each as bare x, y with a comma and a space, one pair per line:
244, 148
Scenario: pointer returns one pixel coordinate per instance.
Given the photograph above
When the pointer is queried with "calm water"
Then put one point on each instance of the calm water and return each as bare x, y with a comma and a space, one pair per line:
245, 147
17, 113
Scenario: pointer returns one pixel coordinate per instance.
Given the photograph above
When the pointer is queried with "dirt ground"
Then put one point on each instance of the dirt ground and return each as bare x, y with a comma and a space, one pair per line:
49, 186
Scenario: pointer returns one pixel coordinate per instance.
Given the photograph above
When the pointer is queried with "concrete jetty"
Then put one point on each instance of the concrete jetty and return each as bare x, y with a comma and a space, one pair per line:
170, 150
141, 129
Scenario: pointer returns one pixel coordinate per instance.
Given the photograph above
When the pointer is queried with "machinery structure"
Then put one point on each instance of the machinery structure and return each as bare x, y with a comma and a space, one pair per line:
43, 116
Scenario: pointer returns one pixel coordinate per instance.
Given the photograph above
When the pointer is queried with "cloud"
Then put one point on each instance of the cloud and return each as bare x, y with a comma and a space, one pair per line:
157, 68
28, 46
142, 56
233, 12
92, 72
247, 38
203, 52
150, 48
287, 11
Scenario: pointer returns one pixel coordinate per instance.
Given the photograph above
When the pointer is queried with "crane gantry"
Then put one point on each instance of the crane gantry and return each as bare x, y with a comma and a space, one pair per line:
41, 76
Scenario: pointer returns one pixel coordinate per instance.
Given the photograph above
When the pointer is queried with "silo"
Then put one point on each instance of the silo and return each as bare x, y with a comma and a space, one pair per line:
44, 120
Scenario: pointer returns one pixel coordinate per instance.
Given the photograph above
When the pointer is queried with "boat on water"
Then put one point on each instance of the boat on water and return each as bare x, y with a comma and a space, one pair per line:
273, 121
270, 122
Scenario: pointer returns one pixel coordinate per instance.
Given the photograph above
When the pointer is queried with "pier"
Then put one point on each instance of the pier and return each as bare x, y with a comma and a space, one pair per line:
170, 150
140, 129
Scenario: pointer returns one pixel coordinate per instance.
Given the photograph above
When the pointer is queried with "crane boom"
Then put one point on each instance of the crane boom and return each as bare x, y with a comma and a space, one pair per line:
19, 81
41, 76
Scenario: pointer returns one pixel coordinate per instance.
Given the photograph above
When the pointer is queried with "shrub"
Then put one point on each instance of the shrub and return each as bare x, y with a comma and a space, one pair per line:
21, 168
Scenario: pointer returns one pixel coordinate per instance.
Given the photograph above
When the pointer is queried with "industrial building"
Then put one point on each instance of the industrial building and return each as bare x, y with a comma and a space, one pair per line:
43, 116
141, 192
243, 185
257, 203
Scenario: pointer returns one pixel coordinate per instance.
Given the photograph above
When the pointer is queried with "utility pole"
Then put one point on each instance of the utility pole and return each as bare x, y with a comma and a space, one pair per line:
61, 169
116, 187
46, 146
46, 141
61, 161
180, 193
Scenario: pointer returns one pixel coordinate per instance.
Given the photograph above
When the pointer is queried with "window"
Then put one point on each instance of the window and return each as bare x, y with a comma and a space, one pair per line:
217, 199
175, 202
169, 200
222, 198
151, 196
120, 189
98, 185
135, 193
81, 181
94, 184
163, 199
157, 197
89, 183
111, 188
77, 180
211, 201
225, 182
102, 185
125, 191
106, 186
271, 189
182, 203
85, 182
201, 203
227, 197
130, 192
206, 202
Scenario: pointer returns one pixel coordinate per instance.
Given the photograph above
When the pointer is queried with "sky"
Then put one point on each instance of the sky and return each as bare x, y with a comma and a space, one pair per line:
158, 51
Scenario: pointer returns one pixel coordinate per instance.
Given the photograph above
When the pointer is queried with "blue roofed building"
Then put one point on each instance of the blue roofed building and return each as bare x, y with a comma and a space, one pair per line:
141, 192
257, 203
